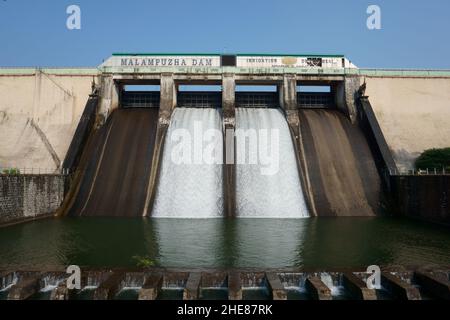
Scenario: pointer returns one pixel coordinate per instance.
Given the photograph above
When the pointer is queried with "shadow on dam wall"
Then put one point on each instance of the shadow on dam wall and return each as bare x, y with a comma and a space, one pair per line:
342, 172
116, 165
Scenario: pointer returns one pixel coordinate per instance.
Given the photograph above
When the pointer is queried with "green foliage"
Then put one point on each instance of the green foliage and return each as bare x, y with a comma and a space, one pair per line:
143, 261
434, 158
11, 171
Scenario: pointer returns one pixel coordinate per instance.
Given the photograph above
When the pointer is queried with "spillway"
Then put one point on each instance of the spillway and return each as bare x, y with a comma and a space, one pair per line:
266, 189
341, 168
116, 165
191, 187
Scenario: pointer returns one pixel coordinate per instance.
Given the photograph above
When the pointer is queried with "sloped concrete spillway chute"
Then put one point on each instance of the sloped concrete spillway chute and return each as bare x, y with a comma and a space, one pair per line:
117, 162
341, 168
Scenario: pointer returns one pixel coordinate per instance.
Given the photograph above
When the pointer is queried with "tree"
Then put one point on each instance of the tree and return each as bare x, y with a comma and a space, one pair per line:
434, 159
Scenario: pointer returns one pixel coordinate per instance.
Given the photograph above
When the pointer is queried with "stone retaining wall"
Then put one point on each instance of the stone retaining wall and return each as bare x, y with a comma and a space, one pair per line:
25, 197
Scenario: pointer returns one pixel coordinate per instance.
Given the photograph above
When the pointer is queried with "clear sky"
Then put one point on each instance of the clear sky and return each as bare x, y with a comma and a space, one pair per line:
414, 34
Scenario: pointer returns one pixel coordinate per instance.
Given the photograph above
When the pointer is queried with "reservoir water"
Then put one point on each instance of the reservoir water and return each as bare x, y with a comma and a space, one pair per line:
219, 243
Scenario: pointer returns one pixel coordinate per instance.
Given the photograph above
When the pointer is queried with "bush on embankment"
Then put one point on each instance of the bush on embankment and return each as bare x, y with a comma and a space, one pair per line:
10, 171
434, 159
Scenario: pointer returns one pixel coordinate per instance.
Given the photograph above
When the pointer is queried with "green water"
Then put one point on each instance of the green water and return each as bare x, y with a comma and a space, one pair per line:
262, 243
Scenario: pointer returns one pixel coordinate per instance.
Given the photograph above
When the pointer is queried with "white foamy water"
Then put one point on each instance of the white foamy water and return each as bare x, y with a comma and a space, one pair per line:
327, 279
191, 190
268, 196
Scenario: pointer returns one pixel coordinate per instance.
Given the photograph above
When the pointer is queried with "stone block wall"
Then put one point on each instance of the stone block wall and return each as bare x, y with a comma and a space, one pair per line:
26, 197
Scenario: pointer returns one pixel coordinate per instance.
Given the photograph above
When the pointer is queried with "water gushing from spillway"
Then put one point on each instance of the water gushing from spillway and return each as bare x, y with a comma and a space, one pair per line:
335, 286
266, 189
190, 184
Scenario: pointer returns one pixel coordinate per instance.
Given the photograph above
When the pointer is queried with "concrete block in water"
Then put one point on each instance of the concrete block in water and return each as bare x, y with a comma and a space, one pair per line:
60, 293
110, 287
318, 289
435, 285
399, 288
151, 287
192, 289
234, 286
25, 288
275, 286
358, 288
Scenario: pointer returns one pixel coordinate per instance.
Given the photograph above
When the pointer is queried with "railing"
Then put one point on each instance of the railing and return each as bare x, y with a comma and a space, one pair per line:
421, 172
14, 171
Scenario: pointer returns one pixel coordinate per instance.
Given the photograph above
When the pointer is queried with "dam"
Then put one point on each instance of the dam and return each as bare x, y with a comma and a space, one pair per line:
299, 164
128, 156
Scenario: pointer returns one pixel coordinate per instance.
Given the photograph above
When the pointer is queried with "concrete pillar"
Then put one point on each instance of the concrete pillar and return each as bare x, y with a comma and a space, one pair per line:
109, 97
399, 288
168, 92
358, 288
229, 123
234, 286
287, 92
433, 283
192, 289
318, 289
151, 287
6, 279
275, 286
60, 293
110, 287
168, 101
345, 94
25, 288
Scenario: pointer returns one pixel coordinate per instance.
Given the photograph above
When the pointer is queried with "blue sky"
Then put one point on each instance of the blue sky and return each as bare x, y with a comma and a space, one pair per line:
414, 34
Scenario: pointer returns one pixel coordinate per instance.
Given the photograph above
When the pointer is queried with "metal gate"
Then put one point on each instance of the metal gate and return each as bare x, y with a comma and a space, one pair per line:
315, 100
199, 99
140, 99
257, 100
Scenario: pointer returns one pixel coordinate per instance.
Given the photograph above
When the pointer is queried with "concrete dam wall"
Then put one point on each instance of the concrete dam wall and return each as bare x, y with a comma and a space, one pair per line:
341, 169
413, 114
116, 165
39, 112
